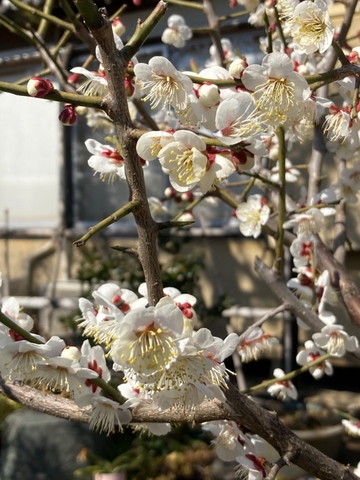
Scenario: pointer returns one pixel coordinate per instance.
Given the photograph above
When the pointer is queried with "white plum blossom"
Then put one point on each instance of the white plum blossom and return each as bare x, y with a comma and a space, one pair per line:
228, 50
282, 389
252, 215
278, 90
106, 160
217, 350
251, 467
184, 160
19, 359
337, 125
163, 84
237, 122
335, 340
311, 27
149, 145
177, 32
307, 223
348, 185
189, 162
94, 359
230, 441
96, 83
63, 373
291, 174
146, 339
106, 414
253, 343
311, 353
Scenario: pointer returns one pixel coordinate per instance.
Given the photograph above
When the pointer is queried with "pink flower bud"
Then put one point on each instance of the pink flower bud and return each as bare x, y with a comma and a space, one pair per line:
74, 78
170, 192
68, 115
39, 87
137, 3
187, 197
118, 26
129, 86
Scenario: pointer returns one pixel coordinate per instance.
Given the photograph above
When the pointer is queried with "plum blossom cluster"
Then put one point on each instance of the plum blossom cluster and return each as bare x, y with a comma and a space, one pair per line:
156, 347
162, 356
52, 365
232, 442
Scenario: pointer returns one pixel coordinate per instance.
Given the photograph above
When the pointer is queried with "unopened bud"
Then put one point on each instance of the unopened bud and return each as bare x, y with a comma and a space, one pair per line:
170, 192
137, 3
187, 197
237, 67
118, 26
129, 86
73, 353
209, 95
39, 87
74, 78
68, 115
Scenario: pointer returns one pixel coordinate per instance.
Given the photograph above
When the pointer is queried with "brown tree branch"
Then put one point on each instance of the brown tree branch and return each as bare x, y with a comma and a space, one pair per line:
115, 65
240, 409
340, 280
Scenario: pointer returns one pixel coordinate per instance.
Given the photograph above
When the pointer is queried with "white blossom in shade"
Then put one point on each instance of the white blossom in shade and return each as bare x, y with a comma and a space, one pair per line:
306, 224
184, 160
96, 83
177, 32
251, 467
326, 196
335, 340
94, 359
278, 90
348, 185
325, 294
302, 252
252, 215
311, 353
291, 174
282, 389
352, 427
19, 359
253, 343
337, 125
149, 145
230, 441
311, 27
237, 122
303, 285
163, 84
357, 470
105, 160
146, 339
106, 415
